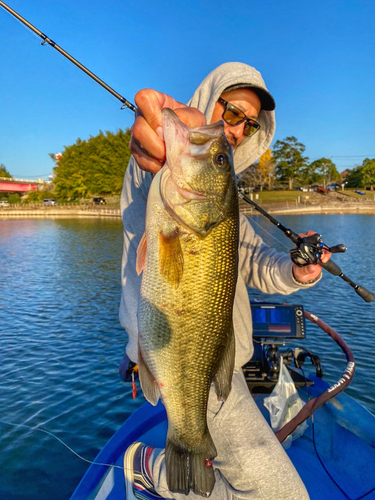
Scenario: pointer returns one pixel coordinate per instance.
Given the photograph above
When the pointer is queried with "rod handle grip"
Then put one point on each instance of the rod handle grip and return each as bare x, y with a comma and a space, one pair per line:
331, 267
365, 294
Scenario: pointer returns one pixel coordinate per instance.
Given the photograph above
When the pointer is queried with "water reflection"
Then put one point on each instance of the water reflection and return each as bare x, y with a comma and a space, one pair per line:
61, 341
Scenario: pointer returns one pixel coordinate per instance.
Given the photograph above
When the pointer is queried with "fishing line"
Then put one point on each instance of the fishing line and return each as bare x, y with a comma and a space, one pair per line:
270, 234
69, 448
26, 27
39, 429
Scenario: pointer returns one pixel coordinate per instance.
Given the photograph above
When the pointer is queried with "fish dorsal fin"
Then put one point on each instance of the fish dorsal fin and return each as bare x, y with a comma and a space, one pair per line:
141, 255
171, 261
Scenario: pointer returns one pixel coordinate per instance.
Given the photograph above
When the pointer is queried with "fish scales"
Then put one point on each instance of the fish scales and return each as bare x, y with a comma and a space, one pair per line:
185, 316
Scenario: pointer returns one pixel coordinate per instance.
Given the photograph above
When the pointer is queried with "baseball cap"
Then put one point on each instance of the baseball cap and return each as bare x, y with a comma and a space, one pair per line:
266, 99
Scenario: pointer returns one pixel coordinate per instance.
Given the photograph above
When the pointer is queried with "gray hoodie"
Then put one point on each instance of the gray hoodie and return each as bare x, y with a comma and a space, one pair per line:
260, 267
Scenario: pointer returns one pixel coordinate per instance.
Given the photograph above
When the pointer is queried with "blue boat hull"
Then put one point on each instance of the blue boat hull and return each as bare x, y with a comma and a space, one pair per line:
343, 434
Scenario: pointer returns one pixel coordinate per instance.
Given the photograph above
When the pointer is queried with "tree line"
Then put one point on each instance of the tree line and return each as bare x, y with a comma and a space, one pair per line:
96, 166
92, 167
285, 165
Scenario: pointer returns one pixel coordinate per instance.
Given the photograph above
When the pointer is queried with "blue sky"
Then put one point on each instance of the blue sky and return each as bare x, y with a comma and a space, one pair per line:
317, 58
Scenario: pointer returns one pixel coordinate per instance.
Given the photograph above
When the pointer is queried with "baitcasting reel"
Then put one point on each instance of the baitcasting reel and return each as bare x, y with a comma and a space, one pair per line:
309, 250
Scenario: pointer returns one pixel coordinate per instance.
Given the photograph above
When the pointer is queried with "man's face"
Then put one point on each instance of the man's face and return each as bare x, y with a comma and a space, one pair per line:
244, 99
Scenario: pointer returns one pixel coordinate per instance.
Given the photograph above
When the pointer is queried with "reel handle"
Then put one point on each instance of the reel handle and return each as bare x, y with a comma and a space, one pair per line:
338, 249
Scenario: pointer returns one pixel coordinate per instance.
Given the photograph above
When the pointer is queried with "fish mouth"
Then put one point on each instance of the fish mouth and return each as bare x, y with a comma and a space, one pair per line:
188, 194
185, 192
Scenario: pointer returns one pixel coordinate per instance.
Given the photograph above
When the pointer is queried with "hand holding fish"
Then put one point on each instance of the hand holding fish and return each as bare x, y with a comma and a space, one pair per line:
147, 143
311, 272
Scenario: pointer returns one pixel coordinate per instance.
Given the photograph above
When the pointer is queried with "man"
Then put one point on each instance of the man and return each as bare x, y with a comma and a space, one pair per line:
251, 464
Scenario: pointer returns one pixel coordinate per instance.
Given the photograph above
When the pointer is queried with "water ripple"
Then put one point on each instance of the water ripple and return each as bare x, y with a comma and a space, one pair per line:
61, 341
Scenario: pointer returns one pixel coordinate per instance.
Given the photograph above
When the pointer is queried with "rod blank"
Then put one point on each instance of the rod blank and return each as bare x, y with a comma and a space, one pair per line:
53, 44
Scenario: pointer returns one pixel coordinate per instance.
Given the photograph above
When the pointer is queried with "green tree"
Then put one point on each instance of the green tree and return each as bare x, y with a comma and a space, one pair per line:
290, 162
92, 167
14, 198
368, 172
323, 170
354, 178
35, 197
4, 172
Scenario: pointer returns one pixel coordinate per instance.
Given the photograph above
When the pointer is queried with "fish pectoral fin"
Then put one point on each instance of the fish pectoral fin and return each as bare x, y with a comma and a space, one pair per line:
223, 378
141, 255
171, 260
149, 385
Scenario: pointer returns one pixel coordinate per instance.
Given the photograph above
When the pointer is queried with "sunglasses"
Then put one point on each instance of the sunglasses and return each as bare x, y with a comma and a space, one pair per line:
234, 116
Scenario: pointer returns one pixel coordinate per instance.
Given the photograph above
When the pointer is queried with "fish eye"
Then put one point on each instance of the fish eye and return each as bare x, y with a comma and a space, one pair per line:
221, 159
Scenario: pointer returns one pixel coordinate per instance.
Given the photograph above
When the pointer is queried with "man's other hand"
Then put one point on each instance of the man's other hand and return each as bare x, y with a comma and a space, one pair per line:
310, 272
147, 141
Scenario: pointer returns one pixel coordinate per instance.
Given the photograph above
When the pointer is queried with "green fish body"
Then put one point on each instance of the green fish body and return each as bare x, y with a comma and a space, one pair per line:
189, 262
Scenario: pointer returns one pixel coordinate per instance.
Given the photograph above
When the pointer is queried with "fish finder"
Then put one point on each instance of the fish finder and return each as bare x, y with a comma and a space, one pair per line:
278, 321
274, 326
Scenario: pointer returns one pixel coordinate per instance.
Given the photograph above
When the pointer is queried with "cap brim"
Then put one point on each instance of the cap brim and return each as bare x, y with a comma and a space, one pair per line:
266, 99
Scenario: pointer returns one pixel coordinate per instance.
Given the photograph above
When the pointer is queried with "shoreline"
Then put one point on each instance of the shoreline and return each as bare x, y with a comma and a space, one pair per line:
318, 209
65, 213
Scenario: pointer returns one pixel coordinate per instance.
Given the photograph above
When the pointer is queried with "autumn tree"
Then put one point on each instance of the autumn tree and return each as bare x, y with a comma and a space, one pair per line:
290, 162
266, 168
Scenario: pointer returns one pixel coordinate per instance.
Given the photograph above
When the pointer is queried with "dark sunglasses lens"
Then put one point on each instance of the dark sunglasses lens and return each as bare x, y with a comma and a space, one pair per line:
250, 128
232, 116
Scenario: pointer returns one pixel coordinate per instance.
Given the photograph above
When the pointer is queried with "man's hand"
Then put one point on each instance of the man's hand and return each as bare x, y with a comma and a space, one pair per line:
310, 272
147, 142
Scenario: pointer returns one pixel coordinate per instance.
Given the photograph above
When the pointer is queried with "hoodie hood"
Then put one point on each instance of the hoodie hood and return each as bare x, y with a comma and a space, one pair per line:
207, 94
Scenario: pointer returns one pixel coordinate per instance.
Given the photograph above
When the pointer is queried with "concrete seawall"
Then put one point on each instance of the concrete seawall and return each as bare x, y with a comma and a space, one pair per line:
78, 212
58, 212
316, 209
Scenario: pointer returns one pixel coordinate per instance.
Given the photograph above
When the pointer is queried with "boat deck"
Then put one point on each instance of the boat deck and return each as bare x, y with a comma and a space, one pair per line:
343, 432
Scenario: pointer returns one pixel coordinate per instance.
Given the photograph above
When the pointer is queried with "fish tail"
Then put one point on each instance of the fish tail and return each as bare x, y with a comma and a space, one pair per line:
191, 469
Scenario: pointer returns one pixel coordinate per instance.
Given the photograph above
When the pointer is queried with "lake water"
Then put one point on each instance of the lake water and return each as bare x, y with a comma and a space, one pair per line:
61, 341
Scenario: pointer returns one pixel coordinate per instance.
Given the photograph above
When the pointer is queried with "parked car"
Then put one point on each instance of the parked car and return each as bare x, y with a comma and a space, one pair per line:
4, 203
99, 201
49, 202
333, 187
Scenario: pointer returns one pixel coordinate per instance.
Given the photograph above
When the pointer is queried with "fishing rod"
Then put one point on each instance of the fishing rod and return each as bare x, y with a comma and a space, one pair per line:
308, 249
46, 39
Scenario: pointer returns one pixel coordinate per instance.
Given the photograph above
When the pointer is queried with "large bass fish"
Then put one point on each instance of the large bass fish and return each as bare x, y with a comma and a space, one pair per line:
189, 261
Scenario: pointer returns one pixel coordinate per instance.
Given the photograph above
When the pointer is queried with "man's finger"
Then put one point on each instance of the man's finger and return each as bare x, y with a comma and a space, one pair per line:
191, 117
144, 161
150, 103
146, 138
325, 256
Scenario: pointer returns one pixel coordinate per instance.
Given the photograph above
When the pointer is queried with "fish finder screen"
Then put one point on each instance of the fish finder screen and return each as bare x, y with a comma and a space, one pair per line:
271, 321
